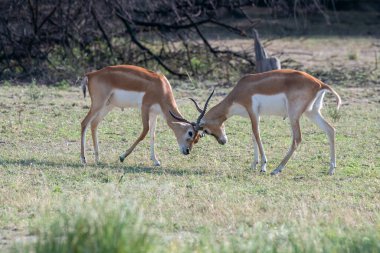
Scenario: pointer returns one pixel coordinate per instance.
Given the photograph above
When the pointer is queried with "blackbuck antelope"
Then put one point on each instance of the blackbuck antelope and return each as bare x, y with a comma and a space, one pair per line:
130, 86
286, 93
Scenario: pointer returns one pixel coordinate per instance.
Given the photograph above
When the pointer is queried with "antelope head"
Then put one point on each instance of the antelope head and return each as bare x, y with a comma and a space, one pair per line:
197, 126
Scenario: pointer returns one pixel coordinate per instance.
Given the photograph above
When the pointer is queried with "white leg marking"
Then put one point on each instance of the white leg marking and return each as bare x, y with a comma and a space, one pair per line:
263, 163
152, 133
258, 142
259, 145
83, 138
317, 118
94, 127
255, 154
83, 143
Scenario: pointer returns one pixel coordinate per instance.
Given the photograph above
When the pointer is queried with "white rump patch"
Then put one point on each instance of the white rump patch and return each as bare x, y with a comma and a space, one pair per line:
270, 104
317, 103
123, 98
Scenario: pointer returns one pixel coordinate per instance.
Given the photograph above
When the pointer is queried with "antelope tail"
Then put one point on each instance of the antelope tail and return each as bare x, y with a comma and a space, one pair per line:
84, 85
338, 99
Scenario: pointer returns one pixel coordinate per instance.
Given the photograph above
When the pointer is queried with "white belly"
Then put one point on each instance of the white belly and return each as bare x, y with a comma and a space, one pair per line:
270, 105
122, 98
237, 109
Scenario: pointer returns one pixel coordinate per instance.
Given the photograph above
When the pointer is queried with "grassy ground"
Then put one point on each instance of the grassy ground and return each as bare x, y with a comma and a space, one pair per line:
207, 201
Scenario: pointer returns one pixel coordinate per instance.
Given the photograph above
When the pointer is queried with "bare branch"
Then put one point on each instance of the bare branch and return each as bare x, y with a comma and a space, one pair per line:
140, 45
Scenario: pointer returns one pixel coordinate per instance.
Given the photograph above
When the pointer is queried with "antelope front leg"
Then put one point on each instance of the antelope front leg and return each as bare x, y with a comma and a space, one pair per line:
129, 151
255, 154
258, 143
94, 126
152, 133
145, 121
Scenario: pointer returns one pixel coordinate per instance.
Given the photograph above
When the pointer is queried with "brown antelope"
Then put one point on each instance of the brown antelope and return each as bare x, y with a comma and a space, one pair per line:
286, 93
131, 86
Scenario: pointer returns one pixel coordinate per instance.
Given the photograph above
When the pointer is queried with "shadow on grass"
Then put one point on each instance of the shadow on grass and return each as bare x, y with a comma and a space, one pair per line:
125, 168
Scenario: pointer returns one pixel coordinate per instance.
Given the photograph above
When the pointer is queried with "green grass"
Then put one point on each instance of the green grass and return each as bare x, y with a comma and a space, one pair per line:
103, 228
209, 201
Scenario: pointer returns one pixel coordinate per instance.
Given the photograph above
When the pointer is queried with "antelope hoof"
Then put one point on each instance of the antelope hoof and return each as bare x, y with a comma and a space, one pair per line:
83, 160
275, 172
332, 169
156, 162
254, 165
263, 167
121, 158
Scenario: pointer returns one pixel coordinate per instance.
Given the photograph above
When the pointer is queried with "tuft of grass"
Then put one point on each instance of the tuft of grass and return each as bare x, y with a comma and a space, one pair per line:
353, 56
6, 83
63, 85
197, 64
94, 229
34, 92
334, 114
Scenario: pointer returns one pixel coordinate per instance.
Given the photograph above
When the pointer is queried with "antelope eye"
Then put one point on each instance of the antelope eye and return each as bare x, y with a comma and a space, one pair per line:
190, 134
